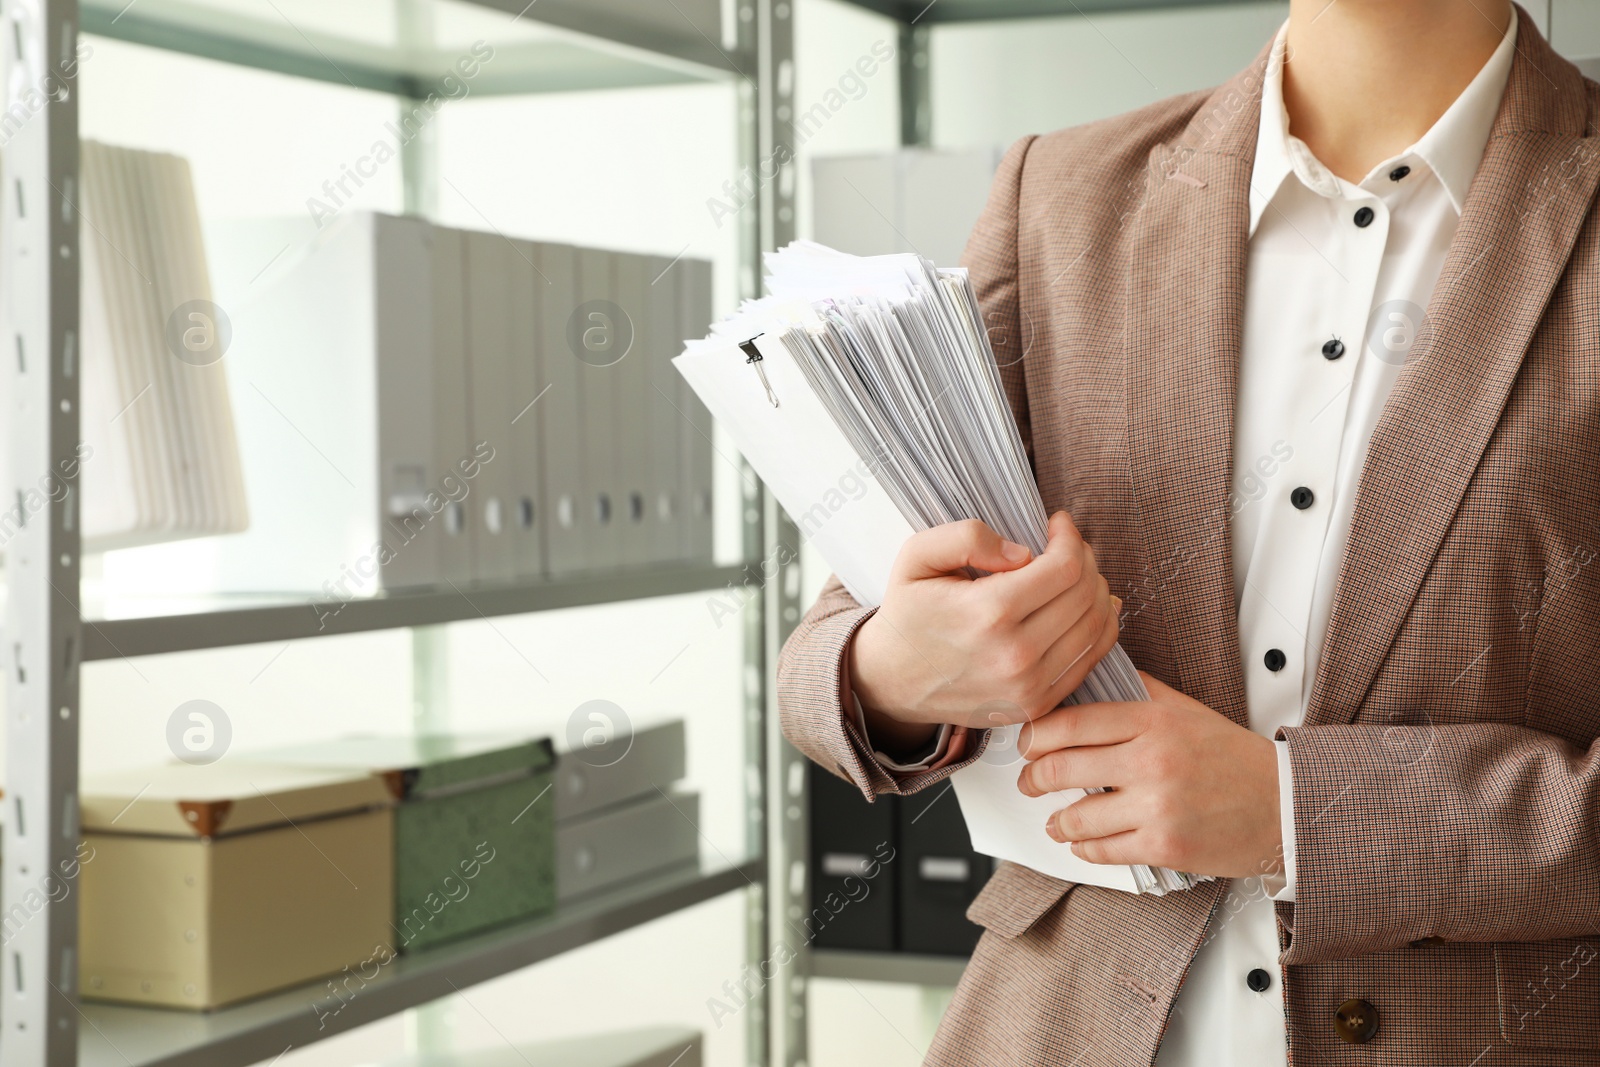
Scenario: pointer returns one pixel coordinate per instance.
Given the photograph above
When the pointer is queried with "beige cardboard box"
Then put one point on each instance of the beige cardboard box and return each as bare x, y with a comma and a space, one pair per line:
202, 886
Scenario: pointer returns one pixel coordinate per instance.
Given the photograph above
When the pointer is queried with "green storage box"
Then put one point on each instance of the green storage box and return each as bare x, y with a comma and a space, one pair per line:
474, 828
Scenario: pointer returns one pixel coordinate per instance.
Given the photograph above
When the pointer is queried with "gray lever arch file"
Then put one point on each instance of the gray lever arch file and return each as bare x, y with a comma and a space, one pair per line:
527, 397
567, 518
662, 405
697, 452
489, 345
631, 378
598, 336
452, 440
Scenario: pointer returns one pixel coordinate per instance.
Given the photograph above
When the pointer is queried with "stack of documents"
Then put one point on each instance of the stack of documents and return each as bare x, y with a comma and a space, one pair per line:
161, 461
865, 394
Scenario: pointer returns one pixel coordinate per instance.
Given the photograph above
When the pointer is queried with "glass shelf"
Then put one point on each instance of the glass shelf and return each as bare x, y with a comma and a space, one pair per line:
550, 46
908, 968
149, 626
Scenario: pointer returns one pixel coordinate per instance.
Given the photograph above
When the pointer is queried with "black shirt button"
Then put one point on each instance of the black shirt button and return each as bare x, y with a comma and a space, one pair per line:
1364, 217
1302, 498
1258, 980
1356, 1021
1332, 349
1275, 659
1398, 173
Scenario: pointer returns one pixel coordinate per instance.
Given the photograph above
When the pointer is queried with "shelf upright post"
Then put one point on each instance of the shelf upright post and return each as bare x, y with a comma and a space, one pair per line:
419, 152
775, 178
755, 690
39, 511
748, 102
916, 85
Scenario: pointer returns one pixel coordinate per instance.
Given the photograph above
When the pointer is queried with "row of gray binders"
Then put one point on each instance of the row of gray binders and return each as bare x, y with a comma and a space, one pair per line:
446, 406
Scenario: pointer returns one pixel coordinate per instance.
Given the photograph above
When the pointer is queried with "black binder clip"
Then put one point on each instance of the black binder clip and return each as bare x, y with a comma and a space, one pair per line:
752, 356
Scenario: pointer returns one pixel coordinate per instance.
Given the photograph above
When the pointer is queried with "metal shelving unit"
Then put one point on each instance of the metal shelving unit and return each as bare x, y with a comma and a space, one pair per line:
558, 45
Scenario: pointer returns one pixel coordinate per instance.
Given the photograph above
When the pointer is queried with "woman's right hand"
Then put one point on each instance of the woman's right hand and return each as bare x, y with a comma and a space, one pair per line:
1000, 649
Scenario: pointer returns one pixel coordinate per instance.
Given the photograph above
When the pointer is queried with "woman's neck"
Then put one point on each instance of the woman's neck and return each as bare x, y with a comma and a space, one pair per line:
1366, 78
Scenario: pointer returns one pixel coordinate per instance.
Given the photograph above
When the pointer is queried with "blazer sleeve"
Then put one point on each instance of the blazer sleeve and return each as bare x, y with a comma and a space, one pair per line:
1470, 832
813, 667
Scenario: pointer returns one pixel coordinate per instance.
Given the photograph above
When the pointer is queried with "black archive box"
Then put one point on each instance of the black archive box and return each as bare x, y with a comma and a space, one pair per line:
939, 875
854, 867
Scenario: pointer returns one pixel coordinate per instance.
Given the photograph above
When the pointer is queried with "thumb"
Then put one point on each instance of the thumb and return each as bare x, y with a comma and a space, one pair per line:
1062, 534
946, 549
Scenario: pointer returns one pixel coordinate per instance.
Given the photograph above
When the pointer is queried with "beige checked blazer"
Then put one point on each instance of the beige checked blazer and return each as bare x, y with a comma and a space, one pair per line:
1447, 789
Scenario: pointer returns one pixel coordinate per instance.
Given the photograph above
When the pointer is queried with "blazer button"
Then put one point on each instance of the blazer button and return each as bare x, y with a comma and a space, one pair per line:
1332, 349
1258, 980
1356, 1021
1364, 217
1275, 659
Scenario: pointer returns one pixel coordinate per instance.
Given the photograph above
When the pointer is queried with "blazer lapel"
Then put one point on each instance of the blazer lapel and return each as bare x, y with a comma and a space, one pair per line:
1188, 250
1527, 203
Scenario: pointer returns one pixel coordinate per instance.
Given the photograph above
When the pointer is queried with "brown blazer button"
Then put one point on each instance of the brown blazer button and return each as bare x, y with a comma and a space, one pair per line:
1427, 942
1356, 1021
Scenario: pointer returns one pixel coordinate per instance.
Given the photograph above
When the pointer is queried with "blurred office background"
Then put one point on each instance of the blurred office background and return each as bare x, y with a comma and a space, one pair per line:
621, 168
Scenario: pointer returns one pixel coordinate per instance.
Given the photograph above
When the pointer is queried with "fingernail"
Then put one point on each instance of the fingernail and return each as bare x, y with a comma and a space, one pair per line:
1014, 552
1054, 831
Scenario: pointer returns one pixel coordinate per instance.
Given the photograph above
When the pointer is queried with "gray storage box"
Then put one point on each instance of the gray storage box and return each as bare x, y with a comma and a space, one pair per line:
625, 768
626, 842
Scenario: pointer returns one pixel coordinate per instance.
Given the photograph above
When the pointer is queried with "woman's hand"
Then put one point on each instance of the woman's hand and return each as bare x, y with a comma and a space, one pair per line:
1004, 648
1193, 790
